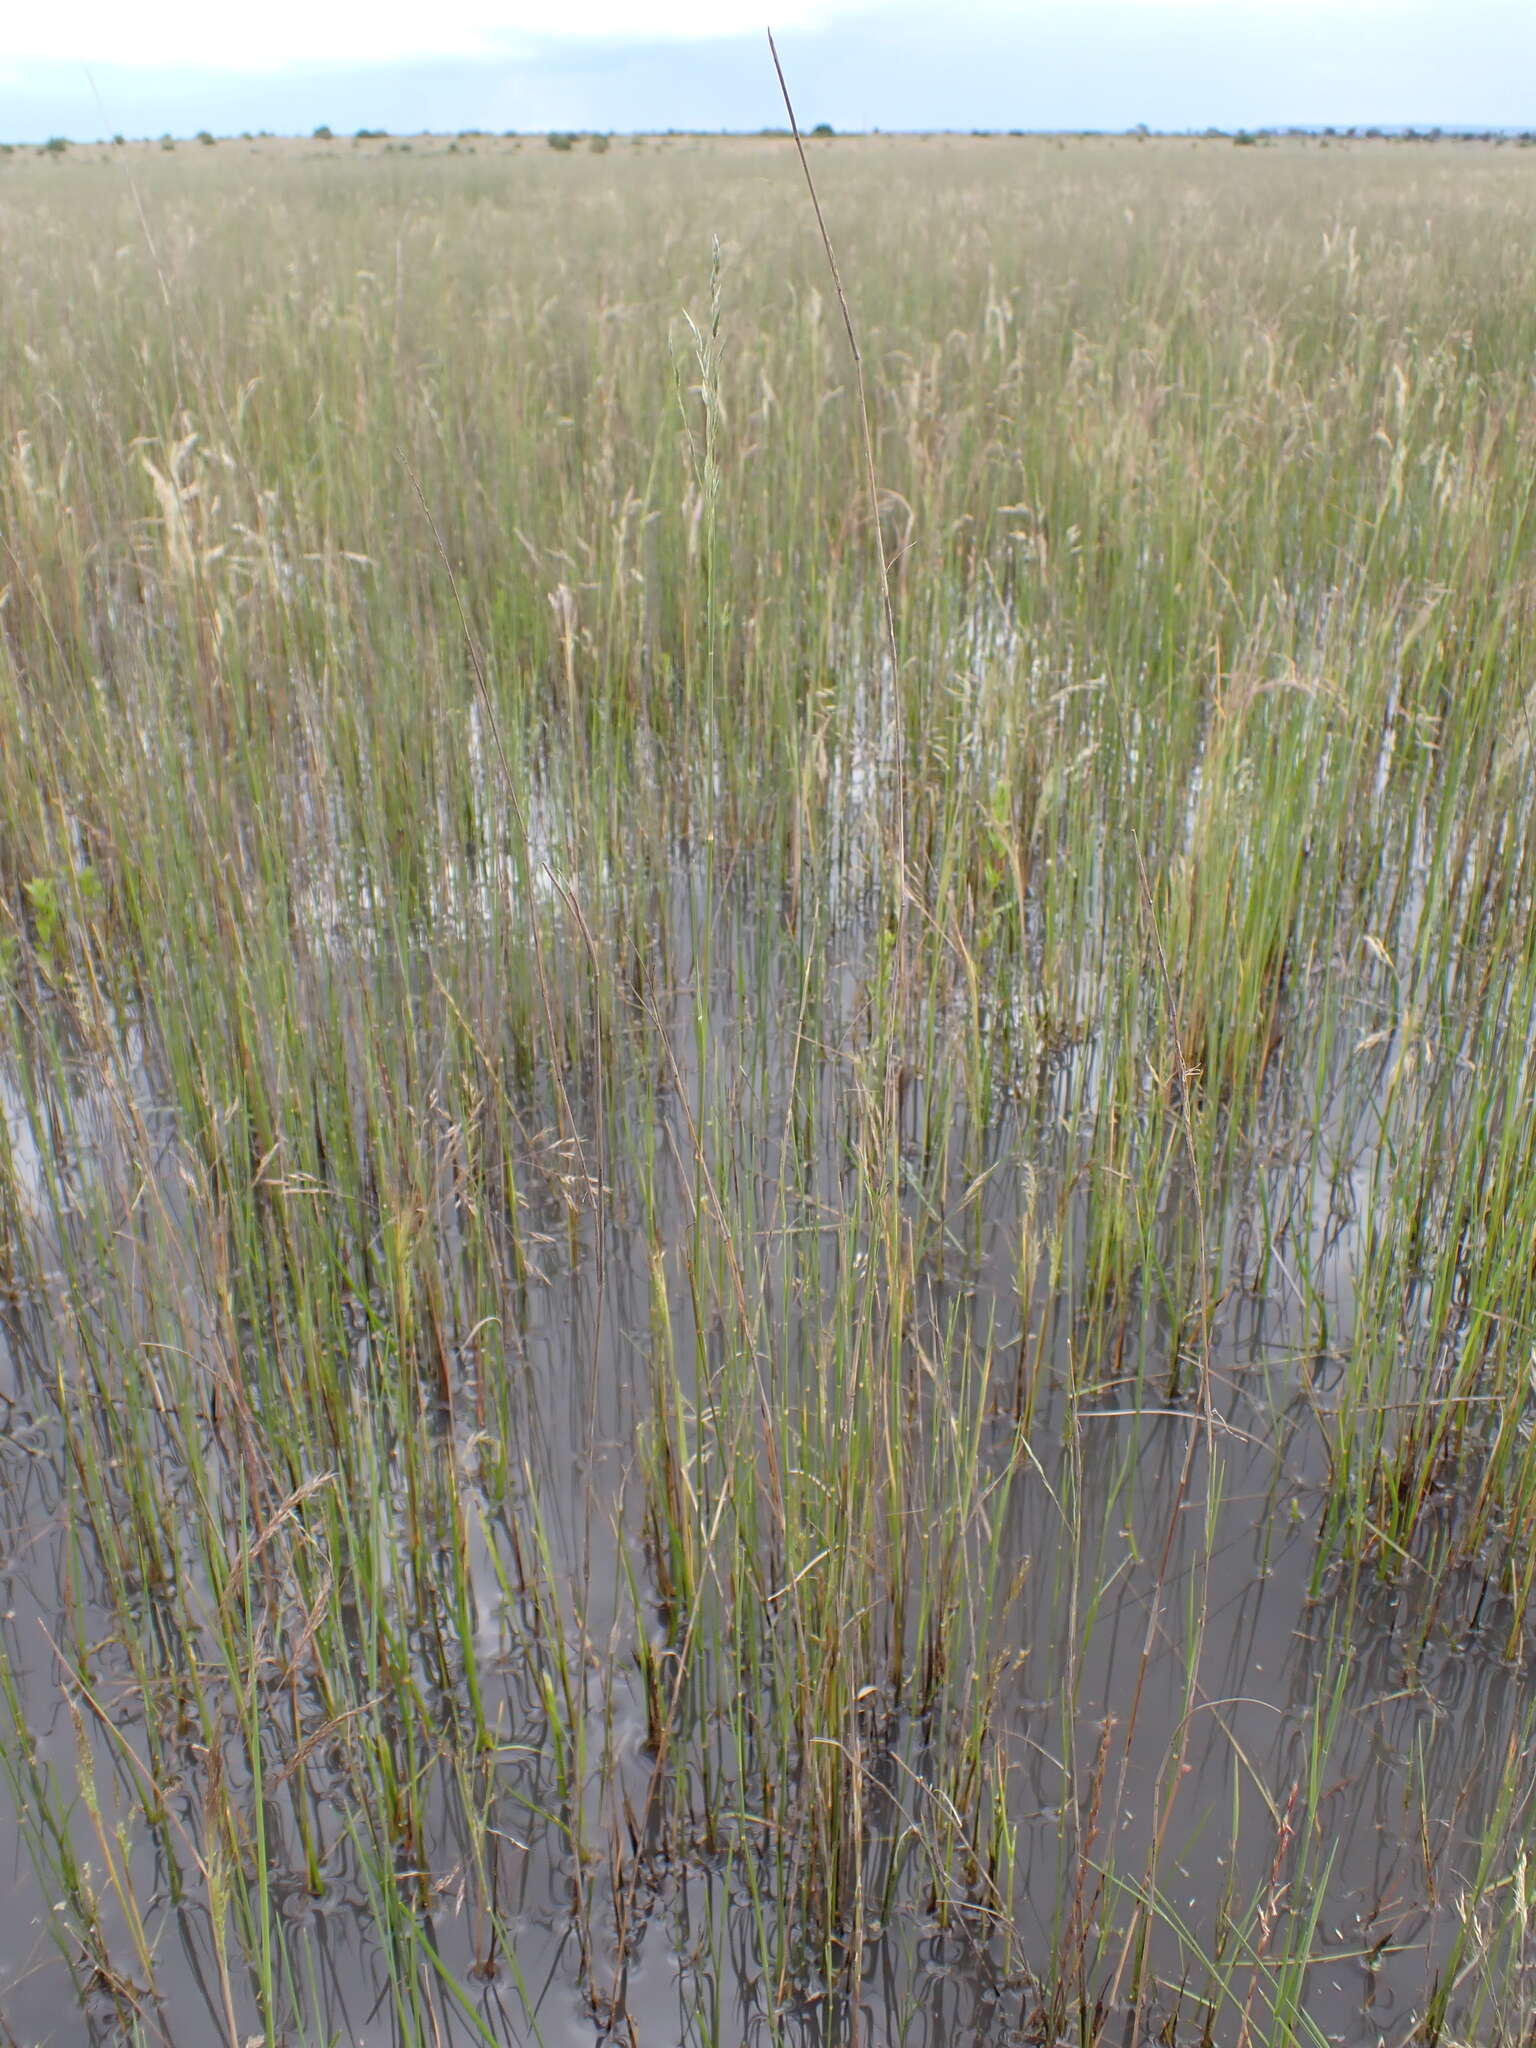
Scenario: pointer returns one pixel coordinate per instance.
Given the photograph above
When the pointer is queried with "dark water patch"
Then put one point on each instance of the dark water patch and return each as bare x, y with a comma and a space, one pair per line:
418, 1710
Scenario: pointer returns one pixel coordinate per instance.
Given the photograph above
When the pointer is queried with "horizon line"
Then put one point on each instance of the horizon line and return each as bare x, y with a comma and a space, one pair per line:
823, 131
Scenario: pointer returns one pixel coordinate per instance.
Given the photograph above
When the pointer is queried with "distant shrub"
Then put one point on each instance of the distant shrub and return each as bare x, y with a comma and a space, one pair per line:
117, 142
1244, 139
167, 142
597, 144
371, 134
559, 139
323, 134
55, 145
823, 128
205, 138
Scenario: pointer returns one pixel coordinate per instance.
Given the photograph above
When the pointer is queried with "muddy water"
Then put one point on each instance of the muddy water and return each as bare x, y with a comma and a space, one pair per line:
1320, 1751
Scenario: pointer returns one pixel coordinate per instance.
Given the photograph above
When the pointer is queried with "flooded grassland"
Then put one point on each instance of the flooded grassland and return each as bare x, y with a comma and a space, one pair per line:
712, 1332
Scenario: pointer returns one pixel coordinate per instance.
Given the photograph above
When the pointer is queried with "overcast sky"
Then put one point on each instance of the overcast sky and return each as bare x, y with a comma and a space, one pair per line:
86, 68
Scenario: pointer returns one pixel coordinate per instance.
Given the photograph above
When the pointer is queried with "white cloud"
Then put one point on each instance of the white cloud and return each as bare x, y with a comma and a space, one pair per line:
281, 34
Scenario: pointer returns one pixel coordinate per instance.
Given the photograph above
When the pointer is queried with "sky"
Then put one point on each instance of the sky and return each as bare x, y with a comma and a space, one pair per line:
94, 68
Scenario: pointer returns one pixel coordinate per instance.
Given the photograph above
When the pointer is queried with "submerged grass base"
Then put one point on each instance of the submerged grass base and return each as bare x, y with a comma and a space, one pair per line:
706, 1339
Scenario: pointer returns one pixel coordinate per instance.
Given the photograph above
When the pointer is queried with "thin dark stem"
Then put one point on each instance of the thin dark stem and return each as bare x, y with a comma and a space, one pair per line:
872, 484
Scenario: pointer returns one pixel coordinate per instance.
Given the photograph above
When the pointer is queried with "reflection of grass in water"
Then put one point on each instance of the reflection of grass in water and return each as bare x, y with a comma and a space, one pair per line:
577, 1278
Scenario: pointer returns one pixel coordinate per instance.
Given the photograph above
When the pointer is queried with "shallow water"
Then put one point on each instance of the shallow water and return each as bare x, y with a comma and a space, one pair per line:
1184, 1682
